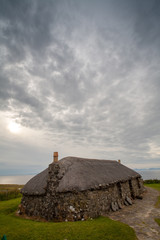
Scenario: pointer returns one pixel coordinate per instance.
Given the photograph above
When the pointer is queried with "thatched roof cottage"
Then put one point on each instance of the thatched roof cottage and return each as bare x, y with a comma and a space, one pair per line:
78, 188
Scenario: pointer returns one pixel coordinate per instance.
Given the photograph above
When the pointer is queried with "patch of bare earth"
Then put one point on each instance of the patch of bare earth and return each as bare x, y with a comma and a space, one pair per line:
140, 216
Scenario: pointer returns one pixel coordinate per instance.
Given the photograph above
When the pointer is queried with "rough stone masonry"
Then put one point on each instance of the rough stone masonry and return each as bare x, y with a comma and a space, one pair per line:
77, 189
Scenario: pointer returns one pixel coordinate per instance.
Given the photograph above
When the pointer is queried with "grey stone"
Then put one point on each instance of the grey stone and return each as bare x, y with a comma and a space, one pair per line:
116, 205
113, 207
129, 200
126, 203
119, 204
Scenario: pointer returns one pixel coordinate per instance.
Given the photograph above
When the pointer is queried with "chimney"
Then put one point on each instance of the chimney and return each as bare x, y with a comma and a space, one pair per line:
119, 161
55, 157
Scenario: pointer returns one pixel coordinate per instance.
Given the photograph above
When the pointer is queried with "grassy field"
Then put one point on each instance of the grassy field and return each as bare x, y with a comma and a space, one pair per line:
153, 185
157, 187
157, 204
18, 228
9, 191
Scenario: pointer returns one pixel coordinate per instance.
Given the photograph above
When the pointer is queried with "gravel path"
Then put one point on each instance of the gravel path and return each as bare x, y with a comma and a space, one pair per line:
140, 216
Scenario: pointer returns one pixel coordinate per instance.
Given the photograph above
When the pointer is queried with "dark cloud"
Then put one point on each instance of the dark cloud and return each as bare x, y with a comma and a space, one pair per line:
26, 27
146, 26
84, 75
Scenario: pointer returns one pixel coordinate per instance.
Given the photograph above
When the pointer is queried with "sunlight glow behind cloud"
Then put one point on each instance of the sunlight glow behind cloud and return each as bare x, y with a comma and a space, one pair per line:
81, 78
14, 127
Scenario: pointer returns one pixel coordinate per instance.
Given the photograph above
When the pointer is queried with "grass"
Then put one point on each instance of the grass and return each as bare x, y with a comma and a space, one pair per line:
157, 187
157, 221
9, 191
18, 228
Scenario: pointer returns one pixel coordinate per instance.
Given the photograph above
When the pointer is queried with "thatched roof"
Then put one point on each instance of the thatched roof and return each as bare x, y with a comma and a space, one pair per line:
81, 174
36, 185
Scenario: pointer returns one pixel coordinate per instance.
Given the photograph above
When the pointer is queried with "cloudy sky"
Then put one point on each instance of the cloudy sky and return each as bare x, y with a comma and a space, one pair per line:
81, 78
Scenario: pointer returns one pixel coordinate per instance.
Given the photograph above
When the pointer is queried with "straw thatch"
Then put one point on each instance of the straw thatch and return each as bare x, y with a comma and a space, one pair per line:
36, 185
79, 174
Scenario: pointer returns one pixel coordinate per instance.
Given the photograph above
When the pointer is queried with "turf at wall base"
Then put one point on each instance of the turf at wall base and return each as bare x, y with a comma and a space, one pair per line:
18, 228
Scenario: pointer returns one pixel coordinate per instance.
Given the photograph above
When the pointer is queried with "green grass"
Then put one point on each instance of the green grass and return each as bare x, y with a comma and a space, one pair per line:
9, 191
18, 228
153, 185
158, 221
157, 204
157, 187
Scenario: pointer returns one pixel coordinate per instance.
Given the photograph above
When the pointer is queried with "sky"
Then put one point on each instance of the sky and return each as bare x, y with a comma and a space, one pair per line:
81, 78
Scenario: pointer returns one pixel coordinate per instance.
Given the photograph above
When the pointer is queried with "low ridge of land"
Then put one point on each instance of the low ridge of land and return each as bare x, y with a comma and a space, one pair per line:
9, 191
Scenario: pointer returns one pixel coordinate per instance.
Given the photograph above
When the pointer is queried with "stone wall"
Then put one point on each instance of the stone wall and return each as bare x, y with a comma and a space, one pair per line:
73, 206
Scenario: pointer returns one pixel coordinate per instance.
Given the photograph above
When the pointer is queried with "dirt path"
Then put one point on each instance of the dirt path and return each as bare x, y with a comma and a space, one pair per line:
140, 216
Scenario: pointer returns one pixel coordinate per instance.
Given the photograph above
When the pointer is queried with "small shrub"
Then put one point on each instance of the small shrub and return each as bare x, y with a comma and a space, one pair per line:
150, 181
7, 195
10, 191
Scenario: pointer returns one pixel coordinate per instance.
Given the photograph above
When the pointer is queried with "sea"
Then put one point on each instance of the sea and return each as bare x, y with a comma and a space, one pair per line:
149, 174
21, 180
146, 174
